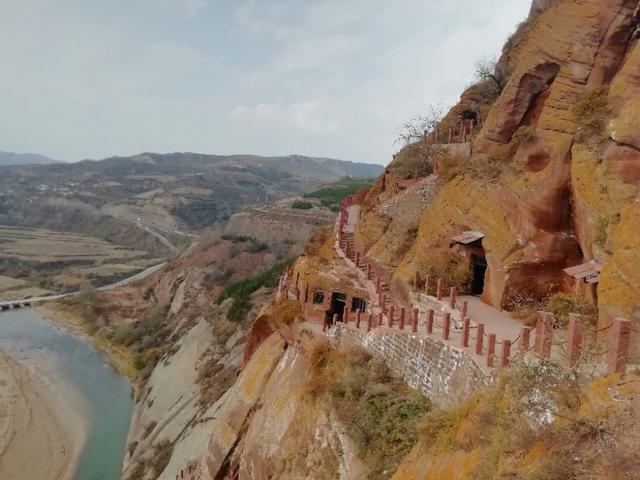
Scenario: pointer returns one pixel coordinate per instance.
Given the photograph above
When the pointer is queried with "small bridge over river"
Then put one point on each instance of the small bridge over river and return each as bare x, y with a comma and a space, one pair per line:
29, 302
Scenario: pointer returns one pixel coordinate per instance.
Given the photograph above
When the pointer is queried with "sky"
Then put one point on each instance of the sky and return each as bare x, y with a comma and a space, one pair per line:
334, 78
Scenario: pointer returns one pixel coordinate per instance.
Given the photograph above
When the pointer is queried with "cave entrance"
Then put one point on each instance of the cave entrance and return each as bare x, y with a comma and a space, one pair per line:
478, 272
338, 302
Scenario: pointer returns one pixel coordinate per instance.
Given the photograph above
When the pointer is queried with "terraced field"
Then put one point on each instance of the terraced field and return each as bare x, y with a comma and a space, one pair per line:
36, 261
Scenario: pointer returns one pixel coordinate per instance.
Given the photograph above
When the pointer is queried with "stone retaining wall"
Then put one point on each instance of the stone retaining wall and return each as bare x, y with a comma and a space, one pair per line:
445, 374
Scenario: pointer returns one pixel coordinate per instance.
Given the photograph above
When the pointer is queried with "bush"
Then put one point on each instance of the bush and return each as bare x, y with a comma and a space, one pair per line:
415, 160
256, 247
138, 361
301, 205
561, 305
242, 290
379, 411
590, 113
452, 269
332, 194
237, 238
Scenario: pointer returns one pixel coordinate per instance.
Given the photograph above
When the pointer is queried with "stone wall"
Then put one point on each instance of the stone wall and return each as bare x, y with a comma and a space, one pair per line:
445, 374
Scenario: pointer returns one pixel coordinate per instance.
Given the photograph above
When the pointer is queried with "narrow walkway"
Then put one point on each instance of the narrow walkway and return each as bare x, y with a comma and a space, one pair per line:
497, 324
496, 321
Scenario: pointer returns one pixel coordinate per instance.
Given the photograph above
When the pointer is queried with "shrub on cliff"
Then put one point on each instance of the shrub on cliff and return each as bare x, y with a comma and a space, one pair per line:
562, 304
301, 205
242, 290
379, 411
332, 194
451, 268
590, 113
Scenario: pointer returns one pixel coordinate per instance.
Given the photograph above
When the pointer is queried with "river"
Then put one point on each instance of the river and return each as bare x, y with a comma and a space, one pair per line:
84, 378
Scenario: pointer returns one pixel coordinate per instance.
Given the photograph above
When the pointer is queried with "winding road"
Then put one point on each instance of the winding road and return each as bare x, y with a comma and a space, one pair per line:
49, 298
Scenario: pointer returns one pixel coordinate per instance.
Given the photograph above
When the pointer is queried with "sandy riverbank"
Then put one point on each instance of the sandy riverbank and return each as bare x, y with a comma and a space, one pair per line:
41, 436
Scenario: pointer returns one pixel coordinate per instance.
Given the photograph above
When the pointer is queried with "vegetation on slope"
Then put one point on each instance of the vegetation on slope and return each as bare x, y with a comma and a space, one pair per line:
380, 412
537, 423
332, 194
242, 290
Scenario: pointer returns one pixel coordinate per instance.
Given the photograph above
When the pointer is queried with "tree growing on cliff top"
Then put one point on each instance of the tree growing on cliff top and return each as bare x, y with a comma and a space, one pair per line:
416, 158
492, 75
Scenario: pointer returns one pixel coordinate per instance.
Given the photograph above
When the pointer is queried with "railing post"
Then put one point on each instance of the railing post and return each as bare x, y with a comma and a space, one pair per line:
391, 315
380, 319
414, 324
506, 353
368, 271
547, 339
525, 339
618, 353
439, 288
345, 315
416, 280
427, 279
465, 309
574, 339
480, 339
357, 259
402, 317
358, 318
430, 315
369, 322
378, 284
542, 325
446, 320
335, 319
466, 325
491, 350
453, 291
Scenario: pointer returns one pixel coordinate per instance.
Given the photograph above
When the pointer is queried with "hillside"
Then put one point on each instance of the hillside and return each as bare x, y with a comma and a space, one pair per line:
471, 315
10, 158
170, 194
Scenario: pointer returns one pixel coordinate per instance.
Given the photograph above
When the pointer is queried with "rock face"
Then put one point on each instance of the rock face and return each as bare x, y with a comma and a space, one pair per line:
554, 170
551, 182
267, 428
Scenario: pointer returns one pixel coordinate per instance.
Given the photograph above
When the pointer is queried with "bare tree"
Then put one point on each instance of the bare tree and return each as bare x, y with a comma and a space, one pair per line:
490, 71
419, 127
414, 135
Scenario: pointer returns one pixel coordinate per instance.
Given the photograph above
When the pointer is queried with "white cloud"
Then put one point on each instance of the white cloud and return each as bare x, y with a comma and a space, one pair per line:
305, 117
190, 7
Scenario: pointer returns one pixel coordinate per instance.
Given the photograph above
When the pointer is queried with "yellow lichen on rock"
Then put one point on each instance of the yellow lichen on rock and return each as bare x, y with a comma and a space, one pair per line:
619, 288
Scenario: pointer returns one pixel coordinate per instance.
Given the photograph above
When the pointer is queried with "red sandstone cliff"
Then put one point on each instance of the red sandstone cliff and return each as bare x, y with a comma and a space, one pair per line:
551, 179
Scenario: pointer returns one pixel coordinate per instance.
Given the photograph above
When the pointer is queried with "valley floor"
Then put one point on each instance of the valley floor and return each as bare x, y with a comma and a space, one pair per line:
40, 437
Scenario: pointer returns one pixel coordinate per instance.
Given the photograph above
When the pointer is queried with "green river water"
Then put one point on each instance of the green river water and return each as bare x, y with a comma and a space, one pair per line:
103, 396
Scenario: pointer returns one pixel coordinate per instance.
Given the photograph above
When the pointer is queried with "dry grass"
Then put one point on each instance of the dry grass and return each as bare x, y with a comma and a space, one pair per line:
590, 113
561, 305
379, 411
451, 268
537, 423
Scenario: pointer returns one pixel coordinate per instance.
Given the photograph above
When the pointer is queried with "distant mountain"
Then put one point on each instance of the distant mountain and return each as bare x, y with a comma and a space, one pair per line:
171, 193
10, 158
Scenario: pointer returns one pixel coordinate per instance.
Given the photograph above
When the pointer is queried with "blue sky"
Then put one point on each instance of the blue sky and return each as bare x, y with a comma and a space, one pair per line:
95, 78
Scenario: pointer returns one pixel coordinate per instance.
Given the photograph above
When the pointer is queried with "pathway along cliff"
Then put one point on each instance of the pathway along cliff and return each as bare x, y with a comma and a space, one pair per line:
71, 410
